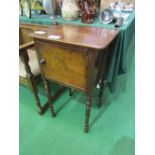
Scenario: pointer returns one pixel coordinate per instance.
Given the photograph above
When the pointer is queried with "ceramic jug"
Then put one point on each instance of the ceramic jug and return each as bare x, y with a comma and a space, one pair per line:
69, 10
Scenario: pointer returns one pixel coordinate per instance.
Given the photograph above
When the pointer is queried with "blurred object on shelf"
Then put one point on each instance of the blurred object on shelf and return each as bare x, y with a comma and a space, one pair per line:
106, 16
26, 6
119, 22
115, 3
121, 9
122, 6
88, 11
70, 10
105, 4
117, 12
128, 7
98, 3
124, 15
50, 7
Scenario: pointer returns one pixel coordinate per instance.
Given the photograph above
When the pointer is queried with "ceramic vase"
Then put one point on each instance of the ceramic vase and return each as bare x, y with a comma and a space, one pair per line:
69, 10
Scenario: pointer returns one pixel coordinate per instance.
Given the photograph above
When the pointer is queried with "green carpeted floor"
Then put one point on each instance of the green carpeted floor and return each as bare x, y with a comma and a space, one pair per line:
111, 126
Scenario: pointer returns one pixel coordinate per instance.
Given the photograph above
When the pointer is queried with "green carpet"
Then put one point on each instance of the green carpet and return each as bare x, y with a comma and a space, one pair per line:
111, 126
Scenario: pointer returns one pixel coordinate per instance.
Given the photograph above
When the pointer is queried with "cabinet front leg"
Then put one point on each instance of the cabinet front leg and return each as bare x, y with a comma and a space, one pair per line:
42, 62
47, 90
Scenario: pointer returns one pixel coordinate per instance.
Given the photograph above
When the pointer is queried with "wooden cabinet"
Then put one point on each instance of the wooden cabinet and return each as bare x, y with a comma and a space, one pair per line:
69, 57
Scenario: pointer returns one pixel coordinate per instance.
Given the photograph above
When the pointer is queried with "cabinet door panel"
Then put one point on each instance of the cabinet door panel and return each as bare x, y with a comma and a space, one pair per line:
63, 65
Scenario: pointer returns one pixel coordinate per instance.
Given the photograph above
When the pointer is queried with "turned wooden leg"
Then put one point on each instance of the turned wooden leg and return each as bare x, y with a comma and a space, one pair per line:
100, 93
70, 92
89, 85
87, 115
46, 86
33, 89
47, 90
102, 75
30, 78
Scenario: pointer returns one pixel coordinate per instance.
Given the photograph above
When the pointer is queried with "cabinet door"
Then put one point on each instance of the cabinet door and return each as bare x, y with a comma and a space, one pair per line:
63, 65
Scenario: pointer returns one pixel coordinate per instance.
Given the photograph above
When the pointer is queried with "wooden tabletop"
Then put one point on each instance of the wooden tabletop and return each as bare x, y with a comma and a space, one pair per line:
83, 36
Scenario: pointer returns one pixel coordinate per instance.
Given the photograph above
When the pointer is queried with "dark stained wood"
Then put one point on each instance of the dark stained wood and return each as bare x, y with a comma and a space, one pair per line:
100, 99
70, 92
54, 97
82, 36
102, 75
50, 100
91, 55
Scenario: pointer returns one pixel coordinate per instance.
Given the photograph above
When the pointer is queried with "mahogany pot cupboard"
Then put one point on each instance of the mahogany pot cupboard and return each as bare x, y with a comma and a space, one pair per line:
67, 54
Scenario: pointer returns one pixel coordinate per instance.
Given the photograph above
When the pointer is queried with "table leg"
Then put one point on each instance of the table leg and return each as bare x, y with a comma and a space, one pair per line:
30, 78
33, 89
70, 92
47, 90
46, 86
102, 69
100, 93
87, 114
90, 63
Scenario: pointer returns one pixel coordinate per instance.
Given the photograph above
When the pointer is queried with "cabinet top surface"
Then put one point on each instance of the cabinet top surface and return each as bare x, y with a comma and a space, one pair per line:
83, 36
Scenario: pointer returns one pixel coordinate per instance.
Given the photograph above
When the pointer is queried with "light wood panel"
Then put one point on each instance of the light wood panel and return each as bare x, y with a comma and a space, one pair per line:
63, 64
